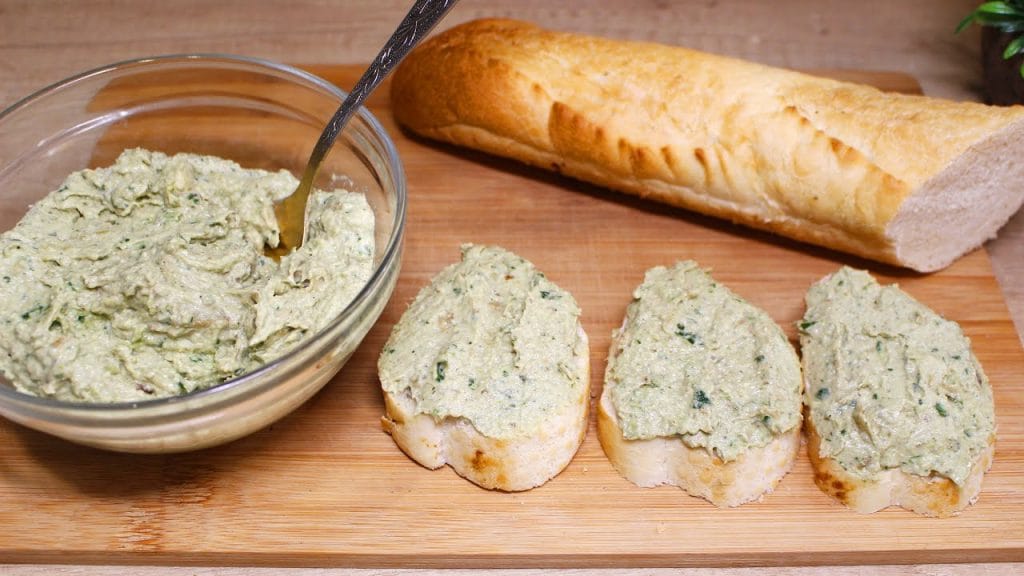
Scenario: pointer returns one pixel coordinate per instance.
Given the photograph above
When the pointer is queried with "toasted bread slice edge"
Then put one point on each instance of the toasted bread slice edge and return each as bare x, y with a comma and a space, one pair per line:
512, 464
927, 495
667, 460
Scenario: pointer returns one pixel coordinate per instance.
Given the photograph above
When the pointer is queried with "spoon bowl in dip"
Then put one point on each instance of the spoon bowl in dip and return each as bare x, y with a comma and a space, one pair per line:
418, 22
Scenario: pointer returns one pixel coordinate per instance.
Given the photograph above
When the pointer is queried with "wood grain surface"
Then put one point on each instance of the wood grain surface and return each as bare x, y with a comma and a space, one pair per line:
326, 487
42, 41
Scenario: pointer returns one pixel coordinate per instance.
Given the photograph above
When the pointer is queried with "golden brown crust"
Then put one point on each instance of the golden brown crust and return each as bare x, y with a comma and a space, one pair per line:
929, 496
814, 159
659, 461
512, 464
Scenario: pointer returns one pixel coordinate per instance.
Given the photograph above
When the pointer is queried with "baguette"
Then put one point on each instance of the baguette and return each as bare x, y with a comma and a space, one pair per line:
901, 179
899, 410
702, 391
488, 372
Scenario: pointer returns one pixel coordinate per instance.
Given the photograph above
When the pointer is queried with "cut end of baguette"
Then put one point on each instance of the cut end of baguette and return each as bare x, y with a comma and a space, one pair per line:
930, 496
507, 464
962, 206
661, 461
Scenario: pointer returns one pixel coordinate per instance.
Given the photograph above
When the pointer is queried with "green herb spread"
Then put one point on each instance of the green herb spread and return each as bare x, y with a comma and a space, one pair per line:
890, 383
491, 340
147, 278
696, 361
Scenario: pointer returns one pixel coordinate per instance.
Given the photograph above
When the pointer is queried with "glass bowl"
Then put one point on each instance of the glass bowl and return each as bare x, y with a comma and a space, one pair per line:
258, 113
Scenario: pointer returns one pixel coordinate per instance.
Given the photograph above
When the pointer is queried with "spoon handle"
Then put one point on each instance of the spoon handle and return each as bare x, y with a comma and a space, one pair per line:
418, 22
414, 27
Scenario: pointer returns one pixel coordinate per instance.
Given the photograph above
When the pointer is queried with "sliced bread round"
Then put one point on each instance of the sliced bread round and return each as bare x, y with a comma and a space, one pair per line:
488, 372
702, 391
899, 411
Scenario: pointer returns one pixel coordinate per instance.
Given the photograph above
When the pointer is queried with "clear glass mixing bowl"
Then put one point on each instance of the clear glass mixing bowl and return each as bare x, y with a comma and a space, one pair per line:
260, 114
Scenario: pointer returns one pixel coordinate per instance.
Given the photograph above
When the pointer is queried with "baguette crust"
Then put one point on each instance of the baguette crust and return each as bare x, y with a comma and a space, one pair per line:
660, 461
929, 496
512, 464
885, 176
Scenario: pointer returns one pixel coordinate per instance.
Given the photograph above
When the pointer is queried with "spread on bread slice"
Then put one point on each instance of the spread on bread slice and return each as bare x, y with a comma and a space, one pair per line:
899, 409
904, 179
702, 390
488, 371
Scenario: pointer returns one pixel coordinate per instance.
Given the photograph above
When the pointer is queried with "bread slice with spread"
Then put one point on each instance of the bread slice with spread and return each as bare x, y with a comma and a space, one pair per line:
487, 371
899, 410
702, 391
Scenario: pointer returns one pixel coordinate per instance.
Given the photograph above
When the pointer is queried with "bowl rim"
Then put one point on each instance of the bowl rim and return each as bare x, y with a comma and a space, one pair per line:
11, 395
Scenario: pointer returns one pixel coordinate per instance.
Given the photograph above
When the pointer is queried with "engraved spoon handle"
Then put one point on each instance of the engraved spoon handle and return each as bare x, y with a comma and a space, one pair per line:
419, 21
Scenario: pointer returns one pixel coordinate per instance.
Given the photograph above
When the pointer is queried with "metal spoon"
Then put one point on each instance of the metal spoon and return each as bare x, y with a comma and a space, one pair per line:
414, 27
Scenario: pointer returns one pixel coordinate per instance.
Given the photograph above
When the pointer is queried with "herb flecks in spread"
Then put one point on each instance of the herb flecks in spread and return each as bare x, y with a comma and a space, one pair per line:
890, 383
696, 361
491, 340
147, 278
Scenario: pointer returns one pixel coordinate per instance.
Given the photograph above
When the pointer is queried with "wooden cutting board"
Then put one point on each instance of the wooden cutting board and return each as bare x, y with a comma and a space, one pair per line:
325, 486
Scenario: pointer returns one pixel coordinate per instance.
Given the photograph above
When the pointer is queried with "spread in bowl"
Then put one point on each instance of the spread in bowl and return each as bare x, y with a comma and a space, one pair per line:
147, 278
289, 336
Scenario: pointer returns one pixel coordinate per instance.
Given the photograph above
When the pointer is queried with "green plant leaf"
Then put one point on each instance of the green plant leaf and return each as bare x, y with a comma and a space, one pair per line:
1006, 16
1013, 48
999, 11
995, 8
967, 21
